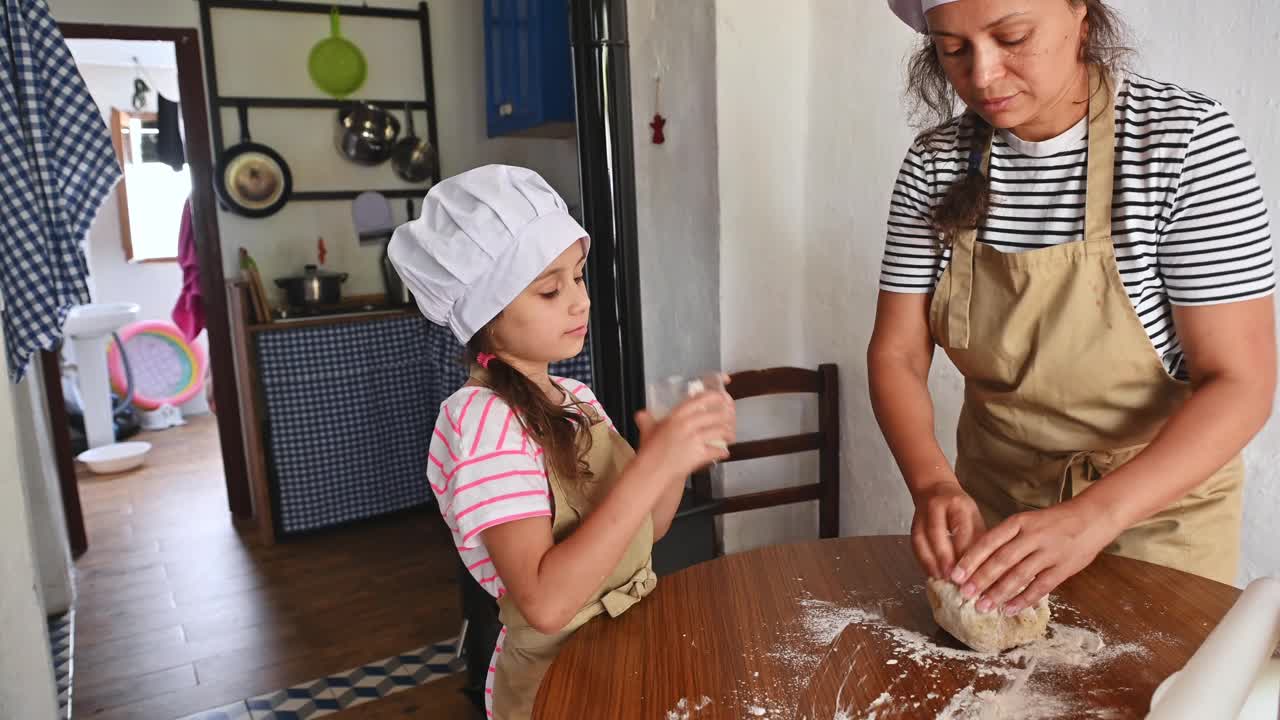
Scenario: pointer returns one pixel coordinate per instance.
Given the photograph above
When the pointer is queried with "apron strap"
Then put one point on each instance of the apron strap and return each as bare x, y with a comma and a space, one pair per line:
1099, 188
1078, 466
1102, 156
960, 288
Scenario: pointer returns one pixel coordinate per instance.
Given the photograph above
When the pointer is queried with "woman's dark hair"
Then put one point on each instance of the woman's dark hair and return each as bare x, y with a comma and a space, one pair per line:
933, 103
562, 431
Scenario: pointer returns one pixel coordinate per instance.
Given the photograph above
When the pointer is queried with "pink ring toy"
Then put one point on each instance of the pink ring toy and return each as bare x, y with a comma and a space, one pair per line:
166, 368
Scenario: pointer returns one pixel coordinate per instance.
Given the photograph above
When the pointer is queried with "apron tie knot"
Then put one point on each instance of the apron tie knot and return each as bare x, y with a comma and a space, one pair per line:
620, 599
1089, 466
1077, 465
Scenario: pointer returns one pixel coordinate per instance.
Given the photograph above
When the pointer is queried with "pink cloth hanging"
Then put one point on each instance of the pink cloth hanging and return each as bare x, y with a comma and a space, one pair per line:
188, 312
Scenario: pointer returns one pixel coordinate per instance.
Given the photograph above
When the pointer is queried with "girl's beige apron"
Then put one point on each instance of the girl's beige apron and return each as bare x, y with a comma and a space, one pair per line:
526, 653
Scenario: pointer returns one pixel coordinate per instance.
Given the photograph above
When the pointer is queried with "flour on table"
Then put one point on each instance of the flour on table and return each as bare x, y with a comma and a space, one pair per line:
1017, 684
685, 710
1008, 686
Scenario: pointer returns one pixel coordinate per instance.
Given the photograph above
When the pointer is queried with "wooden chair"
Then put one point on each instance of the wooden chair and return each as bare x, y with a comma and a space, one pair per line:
825, 383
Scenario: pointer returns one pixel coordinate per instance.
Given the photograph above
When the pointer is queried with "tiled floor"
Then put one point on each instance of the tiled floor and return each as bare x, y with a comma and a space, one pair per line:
61, 633
179, 612
334, 693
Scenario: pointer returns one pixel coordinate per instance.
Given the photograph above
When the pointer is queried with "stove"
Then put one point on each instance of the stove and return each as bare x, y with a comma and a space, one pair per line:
319, 311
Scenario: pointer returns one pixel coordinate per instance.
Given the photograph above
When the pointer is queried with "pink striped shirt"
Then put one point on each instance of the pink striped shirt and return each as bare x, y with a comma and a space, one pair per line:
485, 471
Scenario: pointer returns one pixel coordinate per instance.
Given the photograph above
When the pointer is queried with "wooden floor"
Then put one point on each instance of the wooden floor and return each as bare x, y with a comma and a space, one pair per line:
178, 612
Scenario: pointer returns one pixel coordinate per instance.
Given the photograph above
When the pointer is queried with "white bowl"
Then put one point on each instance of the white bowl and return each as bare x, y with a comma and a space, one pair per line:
116, 457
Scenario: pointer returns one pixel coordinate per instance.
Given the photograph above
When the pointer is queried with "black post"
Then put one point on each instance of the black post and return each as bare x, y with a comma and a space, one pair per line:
602, 89
429, 81
211, 79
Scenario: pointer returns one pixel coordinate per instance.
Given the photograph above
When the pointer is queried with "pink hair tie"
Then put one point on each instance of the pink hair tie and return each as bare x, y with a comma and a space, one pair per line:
483, 359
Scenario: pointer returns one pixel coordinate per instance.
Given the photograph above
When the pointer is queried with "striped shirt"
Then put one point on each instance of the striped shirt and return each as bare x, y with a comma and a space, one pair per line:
485, 471
1189, 221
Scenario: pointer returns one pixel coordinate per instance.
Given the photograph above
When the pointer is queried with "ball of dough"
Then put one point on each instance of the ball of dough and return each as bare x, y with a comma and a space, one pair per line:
990, 631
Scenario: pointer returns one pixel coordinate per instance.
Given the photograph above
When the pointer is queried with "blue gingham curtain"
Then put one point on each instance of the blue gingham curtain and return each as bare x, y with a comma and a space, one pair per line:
57, 165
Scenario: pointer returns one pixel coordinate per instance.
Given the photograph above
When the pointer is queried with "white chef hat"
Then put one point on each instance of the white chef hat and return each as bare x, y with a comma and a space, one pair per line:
912, 12
482, 237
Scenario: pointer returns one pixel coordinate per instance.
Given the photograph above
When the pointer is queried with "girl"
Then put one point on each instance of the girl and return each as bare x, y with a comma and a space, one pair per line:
551, 510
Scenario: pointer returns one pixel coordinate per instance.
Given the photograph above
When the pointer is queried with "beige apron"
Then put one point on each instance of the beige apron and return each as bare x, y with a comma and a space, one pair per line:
1062, 383
526, 653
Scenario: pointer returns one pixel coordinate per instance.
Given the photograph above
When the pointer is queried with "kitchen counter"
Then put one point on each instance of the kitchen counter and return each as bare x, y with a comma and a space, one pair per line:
384, 313
348, 406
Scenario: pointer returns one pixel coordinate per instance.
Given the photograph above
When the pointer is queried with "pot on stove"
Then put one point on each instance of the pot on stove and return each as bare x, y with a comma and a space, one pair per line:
313, 287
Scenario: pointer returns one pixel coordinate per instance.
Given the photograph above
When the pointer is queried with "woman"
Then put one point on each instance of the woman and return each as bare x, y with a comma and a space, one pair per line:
1092, 251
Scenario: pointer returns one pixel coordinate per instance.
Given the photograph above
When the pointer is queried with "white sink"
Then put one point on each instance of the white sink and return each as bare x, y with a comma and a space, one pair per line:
89, 328
95, 319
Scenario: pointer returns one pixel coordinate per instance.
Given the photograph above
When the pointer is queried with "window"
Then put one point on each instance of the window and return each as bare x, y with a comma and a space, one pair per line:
152, 193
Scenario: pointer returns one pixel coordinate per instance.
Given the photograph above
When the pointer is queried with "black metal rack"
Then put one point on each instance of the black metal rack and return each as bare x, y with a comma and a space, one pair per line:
218, 101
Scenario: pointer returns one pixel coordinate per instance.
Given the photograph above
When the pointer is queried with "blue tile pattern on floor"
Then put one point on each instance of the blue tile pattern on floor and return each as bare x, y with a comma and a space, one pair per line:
292, 703
61, 645
377, 680
357, 686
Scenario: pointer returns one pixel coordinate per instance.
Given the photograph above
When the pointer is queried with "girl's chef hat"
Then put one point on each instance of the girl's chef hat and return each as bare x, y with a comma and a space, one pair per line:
483, 236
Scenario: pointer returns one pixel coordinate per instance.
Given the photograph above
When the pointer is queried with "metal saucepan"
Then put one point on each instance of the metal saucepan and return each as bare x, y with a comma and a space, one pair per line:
366, 133
412, 157
313, 287
252, 179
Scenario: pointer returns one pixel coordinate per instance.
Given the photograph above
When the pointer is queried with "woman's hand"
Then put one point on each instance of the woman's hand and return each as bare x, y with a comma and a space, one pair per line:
1028, 555
946, 523
694, 435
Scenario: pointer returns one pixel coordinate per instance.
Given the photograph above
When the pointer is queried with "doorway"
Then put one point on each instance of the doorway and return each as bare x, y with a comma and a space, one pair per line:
133, 73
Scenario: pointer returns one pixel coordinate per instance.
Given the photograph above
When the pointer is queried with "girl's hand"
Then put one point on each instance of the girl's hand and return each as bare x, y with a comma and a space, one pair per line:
694, 435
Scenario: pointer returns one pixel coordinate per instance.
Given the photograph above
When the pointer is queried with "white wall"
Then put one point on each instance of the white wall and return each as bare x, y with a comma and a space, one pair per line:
283, 243
809, 140
761, 99
26, 672
811, 136
44, 493
677, 196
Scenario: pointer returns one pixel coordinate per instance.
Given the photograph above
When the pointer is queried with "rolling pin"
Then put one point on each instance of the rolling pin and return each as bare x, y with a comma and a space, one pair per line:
1233, 666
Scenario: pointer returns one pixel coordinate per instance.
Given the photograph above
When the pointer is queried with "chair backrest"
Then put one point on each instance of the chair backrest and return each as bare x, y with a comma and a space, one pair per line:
825, 383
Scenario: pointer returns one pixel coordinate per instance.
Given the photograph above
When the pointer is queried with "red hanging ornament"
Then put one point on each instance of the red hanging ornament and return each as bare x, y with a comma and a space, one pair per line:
321, 251
657, 125
659, 122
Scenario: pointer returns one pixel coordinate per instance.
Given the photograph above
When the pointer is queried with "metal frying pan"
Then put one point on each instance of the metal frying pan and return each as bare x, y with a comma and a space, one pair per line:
252, 179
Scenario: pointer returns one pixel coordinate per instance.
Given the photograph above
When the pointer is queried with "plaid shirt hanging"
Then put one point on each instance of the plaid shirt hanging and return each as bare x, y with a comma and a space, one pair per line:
57, 165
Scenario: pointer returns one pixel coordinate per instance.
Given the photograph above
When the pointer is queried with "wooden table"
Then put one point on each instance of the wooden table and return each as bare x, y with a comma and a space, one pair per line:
741, 637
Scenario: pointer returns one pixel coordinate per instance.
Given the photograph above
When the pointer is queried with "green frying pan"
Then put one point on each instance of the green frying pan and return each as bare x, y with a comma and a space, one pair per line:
336, 65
